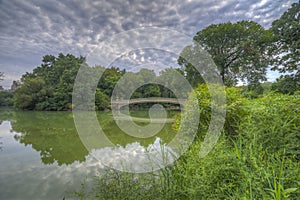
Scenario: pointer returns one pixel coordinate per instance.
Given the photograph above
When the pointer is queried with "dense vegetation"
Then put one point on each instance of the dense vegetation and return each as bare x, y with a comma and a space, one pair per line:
50, 86
242, 51
257, 157
6, 98
258, 153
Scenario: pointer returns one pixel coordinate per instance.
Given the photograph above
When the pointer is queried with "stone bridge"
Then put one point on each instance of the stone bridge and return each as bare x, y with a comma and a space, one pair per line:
118, 104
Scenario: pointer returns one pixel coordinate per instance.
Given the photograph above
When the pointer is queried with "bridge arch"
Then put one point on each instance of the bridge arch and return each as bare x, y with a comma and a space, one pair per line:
118, 104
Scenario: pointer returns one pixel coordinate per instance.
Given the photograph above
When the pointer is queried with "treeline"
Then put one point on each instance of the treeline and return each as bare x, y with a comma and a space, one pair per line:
256, 157
50, 86
242, 51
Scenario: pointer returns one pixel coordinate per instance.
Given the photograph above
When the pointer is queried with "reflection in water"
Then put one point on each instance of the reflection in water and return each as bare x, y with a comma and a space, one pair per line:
29, 136
52, 134
136, 158
24, 176
5, 114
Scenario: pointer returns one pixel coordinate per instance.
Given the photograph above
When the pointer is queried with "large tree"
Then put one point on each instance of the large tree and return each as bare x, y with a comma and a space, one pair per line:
50, 85
109, 79
31, 93
287, 44
238, 49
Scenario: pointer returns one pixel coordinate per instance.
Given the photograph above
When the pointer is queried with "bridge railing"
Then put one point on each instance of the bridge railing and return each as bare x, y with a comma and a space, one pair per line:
120, 103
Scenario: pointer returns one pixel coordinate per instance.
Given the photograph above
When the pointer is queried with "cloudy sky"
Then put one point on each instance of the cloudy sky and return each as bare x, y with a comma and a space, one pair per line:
31, 29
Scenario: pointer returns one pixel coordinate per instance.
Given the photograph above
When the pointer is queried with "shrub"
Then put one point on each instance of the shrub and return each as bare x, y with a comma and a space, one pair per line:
256, 157
235, 111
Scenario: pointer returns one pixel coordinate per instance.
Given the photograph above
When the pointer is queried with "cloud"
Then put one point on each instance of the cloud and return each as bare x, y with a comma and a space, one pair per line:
31, 29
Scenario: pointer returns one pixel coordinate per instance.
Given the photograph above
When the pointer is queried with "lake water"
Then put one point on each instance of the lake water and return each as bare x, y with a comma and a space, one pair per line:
42, 156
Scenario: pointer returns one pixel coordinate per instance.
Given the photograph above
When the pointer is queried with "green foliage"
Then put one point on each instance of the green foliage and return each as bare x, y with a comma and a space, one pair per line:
15, 85
146, 90
191, 74
102, 101
6, 98
255, 90
109, 79
238, 49
235, 110
277, 122
286, 50
49, 86
266, 87
287, 43
260, 161
111, 186
170, 83
52, 134
31, 93
288, 84
268, 147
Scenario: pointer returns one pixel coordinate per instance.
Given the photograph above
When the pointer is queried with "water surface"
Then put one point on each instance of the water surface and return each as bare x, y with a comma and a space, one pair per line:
42, 156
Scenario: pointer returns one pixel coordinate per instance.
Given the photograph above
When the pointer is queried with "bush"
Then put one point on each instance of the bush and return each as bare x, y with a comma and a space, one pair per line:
288, 84
235, 110
6, 98
268, 147
256, 157
102, 101
276, 121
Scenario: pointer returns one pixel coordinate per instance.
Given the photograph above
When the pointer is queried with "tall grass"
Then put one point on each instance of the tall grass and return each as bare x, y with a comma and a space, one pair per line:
256, 157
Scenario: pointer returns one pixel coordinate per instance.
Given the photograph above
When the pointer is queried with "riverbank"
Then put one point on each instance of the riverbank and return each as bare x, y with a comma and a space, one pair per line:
256, 157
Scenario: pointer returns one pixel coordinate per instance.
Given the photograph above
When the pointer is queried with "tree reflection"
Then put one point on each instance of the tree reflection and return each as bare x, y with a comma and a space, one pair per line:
53, 134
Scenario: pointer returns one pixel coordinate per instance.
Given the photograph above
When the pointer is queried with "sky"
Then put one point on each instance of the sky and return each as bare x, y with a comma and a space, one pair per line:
31, 29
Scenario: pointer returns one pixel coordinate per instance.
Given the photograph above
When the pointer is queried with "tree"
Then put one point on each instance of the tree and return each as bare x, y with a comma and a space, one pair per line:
6, 98
171, 84
109, 79
286, 85
102, 101
147, 90
240, 51
191, 74
15, 85
55, 77
287, 43
31, 93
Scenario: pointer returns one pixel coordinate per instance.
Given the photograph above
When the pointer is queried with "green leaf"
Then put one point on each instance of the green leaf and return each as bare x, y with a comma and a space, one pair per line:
289, 190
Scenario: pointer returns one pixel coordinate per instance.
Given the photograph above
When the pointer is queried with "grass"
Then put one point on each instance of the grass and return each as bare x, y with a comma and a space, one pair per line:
258, 158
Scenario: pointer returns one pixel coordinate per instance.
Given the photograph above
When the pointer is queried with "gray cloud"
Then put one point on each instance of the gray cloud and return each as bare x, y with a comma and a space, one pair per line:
31, 29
